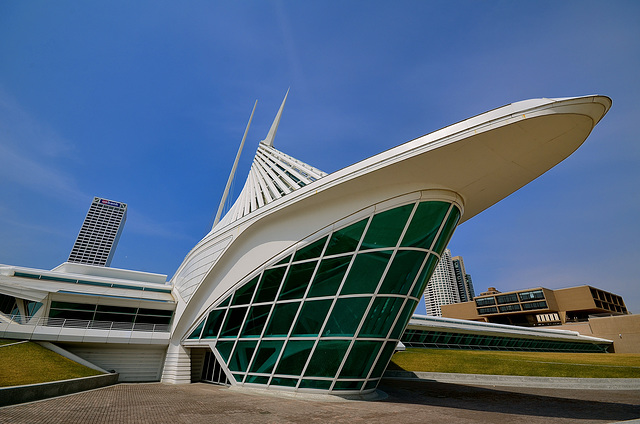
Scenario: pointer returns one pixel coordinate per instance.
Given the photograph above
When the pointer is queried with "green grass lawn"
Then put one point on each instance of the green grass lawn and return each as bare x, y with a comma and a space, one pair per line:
30, 363
546, 364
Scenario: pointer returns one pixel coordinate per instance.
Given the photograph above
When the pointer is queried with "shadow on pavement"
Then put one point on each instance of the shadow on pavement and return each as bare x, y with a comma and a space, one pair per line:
572, 404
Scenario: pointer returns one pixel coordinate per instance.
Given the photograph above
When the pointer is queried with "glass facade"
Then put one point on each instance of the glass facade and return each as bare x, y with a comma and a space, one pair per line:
11, 307
329, 315
91, 312
445, 340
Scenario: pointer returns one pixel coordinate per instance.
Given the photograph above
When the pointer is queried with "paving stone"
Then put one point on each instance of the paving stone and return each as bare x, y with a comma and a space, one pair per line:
407, 402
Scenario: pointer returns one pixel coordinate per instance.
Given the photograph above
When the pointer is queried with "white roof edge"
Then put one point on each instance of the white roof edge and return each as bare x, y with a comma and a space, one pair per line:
425, 142
93, 272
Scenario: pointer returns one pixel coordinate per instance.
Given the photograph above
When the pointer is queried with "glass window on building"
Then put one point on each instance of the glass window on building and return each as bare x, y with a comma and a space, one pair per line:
534, 305
507, 298
484, 301
509, 308
531, 295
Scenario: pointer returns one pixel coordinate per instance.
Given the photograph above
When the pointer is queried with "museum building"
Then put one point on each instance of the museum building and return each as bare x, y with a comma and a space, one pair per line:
310, 280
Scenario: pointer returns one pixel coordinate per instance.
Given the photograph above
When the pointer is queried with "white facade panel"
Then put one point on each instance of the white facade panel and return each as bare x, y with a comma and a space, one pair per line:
132, 362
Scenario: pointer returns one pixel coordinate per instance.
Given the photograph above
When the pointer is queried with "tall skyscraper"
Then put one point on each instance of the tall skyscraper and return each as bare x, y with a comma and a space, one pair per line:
463, 280
100, 232
442, 288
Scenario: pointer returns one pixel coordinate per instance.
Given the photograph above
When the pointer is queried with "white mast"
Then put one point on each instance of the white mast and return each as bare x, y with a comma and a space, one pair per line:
233, 170
274, 127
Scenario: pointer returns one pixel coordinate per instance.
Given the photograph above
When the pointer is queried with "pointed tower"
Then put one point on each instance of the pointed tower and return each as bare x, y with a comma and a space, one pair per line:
273, 174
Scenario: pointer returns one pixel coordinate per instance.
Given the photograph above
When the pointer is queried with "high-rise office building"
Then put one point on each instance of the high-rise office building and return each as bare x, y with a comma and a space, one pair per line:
442, 288
100, 232
463, 280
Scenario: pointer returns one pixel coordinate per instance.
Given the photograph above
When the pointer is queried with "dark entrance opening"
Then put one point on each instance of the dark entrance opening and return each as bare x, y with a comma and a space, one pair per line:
212, 371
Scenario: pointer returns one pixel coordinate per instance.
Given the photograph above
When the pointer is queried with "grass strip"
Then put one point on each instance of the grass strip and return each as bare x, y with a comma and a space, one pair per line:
541, 364
30, 363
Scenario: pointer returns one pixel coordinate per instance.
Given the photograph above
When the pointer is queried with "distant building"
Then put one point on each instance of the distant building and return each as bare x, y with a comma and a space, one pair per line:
442, 288
588, 310
490, 290
100, 232
538, 306
463, 280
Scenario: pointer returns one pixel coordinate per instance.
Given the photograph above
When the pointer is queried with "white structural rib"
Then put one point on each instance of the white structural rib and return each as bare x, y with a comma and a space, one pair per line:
233, 169
273, 174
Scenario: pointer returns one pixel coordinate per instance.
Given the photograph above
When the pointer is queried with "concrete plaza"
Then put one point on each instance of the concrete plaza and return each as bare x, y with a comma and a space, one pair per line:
405, 402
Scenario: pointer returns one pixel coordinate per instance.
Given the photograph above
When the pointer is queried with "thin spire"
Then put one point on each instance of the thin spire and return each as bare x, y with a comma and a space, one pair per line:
274, 127
233, 170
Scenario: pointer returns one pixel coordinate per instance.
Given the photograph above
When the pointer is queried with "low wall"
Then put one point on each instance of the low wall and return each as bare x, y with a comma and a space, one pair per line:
28, 393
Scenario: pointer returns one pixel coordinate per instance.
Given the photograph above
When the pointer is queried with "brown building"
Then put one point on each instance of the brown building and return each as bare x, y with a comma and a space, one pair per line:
586, 309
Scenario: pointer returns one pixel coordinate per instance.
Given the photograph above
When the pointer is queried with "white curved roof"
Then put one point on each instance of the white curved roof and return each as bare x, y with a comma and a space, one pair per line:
482, 159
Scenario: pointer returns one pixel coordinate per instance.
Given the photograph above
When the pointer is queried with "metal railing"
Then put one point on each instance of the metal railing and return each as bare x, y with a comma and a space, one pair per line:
84, 324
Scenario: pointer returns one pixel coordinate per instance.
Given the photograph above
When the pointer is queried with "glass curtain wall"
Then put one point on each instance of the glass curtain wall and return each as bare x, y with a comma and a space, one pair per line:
329, 315
446, 340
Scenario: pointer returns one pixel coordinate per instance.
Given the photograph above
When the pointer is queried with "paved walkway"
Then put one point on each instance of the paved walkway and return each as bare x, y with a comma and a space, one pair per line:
407, 402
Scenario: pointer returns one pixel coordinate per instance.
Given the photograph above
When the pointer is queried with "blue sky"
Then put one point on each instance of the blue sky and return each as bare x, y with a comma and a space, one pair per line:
145, 102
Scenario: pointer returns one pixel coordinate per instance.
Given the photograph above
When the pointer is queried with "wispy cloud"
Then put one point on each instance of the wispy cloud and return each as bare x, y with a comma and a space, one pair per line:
31, 153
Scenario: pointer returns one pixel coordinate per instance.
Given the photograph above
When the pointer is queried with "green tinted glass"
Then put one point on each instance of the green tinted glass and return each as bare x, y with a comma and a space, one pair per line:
224, 349
383, 360
267, 356
314, 250
297, 280
102, 316
213, 324
234, 320
284, 261
312, 317
425, 275
117, 309
327, 357
242, 355
447, 231
346, 316
315, 384
386, 227
365, 272
281, 319
286, 382
257, 379
348, 385
381, 316
224, 302
403, 319
329, 276
371, 385
269, 285
74, 306
360, 359
294, 357
402, 272
346, 239
195, 334
425, 224
243, 295
255, 321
